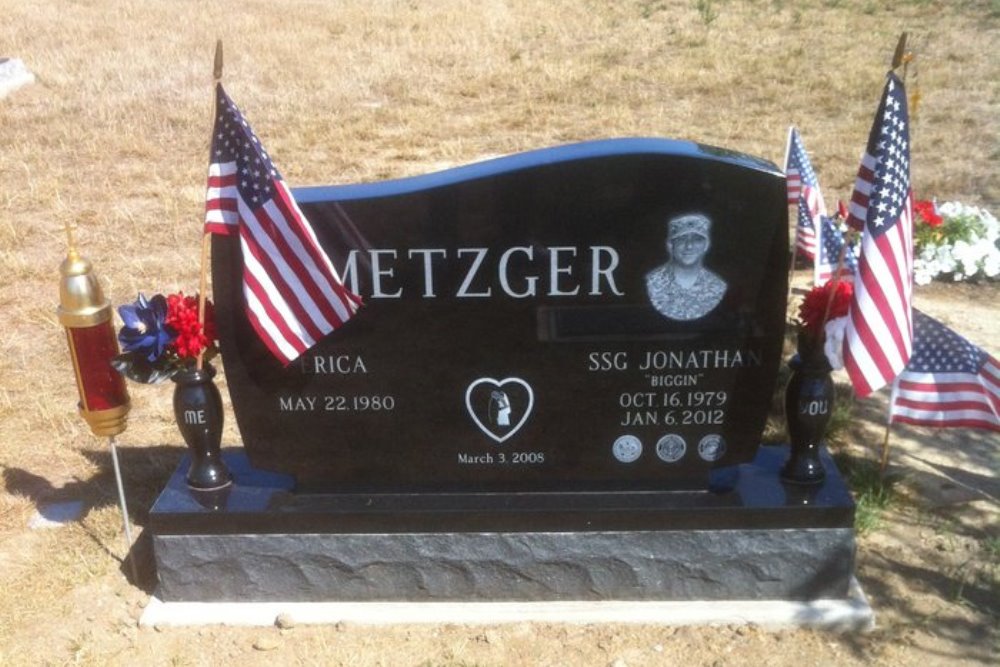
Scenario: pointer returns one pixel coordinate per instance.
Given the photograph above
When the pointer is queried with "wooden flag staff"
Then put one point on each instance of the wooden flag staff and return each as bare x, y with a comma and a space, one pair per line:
206, 239
841, 258
794, 248
900, 58
899, 55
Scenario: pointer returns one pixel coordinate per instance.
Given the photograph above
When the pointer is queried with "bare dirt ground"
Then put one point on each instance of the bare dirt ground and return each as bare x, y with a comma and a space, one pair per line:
117, 126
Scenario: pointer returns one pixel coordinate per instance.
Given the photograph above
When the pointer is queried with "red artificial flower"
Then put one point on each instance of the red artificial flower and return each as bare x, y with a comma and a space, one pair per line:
182, 317
814, 306
927, 211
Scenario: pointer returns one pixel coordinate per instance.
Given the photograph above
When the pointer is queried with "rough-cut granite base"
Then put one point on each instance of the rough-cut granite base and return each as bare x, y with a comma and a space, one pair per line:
259, 542
665, 565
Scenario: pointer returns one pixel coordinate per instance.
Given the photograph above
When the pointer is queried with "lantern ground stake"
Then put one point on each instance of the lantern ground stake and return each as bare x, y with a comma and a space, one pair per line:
121, 501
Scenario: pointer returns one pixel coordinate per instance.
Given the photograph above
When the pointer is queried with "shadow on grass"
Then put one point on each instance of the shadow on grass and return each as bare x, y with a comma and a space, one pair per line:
963, 623
145, 471
964, 456
951, 624
947, 478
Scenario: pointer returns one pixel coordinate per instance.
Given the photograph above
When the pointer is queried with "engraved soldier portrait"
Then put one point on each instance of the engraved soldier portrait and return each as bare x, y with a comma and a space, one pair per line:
683, 288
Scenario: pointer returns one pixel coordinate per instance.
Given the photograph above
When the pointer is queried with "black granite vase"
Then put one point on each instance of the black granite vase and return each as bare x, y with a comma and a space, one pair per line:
198, 410
809, 400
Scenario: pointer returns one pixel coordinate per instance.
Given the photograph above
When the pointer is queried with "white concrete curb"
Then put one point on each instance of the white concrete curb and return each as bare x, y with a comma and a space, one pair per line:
851, 614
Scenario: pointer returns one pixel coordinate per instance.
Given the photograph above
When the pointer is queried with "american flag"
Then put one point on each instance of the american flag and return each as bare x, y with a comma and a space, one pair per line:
828, 255
948, 382
293, 294
879, 333
803, 189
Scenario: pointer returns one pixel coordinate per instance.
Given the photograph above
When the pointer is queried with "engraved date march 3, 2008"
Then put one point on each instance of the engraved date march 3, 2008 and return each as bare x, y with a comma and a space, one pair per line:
361, 403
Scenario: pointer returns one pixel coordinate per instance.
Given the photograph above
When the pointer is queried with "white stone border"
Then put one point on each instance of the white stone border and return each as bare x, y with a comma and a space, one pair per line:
850, 614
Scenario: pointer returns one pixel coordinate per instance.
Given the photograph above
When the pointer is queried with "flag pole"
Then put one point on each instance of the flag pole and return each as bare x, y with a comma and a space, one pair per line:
902, 58
899, 55
795, 241
898, 58
884, 463
206, 239
841, 257
788, 147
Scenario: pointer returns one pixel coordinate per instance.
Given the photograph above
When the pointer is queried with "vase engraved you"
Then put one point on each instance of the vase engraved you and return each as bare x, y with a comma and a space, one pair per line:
808, 407
198, 410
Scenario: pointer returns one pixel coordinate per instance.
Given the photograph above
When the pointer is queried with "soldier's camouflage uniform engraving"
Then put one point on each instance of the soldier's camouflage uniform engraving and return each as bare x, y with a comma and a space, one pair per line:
683, 289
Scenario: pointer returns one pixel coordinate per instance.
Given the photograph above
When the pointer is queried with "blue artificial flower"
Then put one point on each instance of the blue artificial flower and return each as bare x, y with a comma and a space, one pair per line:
145, 330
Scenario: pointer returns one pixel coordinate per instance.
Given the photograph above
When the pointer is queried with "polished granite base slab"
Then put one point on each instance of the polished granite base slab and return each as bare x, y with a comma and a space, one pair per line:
751, 538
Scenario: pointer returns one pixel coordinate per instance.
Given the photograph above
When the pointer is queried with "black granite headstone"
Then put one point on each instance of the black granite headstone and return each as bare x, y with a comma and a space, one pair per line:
595, 317
555, 391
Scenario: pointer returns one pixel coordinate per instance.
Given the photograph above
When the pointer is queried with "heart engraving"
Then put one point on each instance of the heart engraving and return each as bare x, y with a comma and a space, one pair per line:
499, 407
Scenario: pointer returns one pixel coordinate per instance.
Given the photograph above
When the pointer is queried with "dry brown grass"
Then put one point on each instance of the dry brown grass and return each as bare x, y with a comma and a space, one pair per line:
362, 90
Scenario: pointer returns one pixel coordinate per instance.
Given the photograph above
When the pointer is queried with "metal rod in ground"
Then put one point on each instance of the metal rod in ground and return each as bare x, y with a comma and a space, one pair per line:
884, 463
124, 507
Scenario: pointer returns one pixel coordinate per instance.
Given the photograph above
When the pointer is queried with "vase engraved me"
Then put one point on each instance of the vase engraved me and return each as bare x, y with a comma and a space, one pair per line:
198, 410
